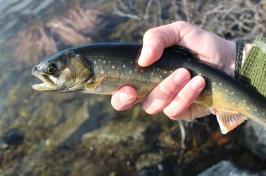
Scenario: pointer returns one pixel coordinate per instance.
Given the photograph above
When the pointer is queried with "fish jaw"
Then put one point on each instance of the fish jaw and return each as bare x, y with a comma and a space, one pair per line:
46, 85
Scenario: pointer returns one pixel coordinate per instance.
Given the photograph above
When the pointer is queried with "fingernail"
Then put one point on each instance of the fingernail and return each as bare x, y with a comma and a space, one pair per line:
145, 54
180, 76
126, 98
198, 83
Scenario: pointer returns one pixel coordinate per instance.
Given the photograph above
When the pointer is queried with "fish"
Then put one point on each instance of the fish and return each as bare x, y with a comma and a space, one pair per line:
102, 68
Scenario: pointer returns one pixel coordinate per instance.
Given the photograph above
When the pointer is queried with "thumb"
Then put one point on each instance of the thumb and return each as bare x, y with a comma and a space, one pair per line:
156, 39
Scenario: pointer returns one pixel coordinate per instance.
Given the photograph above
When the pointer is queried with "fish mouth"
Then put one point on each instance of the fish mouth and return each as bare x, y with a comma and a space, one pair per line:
46, 85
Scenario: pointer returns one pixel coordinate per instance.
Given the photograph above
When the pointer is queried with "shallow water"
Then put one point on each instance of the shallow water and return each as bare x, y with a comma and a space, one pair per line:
77, 134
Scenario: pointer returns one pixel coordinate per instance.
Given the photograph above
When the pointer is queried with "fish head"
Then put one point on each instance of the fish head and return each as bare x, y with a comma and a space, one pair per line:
65, 72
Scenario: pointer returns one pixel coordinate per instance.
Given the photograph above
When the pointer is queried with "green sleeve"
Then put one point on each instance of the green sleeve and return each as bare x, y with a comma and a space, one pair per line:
253, 70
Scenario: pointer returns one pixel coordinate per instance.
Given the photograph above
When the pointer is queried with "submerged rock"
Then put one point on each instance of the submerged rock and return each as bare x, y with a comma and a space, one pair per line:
225, 168
13, 137
147, 160
255, 139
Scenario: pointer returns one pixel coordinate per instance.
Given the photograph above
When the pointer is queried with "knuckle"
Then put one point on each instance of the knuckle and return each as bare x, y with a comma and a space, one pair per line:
150, 109
151, 33
169, 86
181, 24
173, 111
166, 88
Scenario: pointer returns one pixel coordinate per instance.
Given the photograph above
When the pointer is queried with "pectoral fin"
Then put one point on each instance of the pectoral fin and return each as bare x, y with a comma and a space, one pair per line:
229, 120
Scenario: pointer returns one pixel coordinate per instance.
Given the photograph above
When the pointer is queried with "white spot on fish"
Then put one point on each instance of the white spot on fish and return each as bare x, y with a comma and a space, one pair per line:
113, 67
124, 66
165, 72
220, 83
152, 73
130, 72
232, 93
94, 62
104, 62
102, 72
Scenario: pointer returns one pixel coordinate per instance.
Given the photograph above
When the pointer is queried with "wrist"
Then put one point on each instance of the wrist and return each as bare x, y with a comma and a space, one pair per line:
246, 50
230, 65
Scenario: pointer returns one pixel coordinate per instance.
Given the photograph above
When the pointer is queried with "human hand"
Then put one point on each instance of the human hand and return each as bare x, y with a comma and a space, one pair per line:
178, 90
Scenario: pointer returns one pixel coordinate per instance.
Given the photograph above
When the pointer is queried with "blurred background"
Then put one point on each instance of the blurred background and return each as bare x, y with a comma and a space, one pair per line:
77, 134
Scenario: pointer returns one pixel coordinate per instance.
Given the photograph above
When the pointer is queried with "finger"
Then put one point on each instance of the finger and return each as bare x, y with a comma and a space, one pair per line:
198, 110
185, 115
124, 98
194, 111
158, 38
186, 96
162, 94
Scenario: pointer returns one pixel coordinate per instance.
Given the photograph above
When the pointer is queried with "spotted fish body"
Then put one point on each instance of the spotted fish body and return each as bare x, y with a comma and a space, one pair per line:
103, 68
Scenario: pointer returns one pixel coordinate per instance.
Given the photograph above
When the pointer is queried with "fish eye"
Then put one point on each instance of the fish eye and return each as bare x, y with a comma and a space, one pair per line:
51, 69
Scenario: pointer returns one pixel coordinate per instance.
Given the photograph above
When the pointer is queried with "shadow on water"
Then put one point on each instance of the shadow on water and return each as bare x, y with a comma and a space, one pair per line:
73, 134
